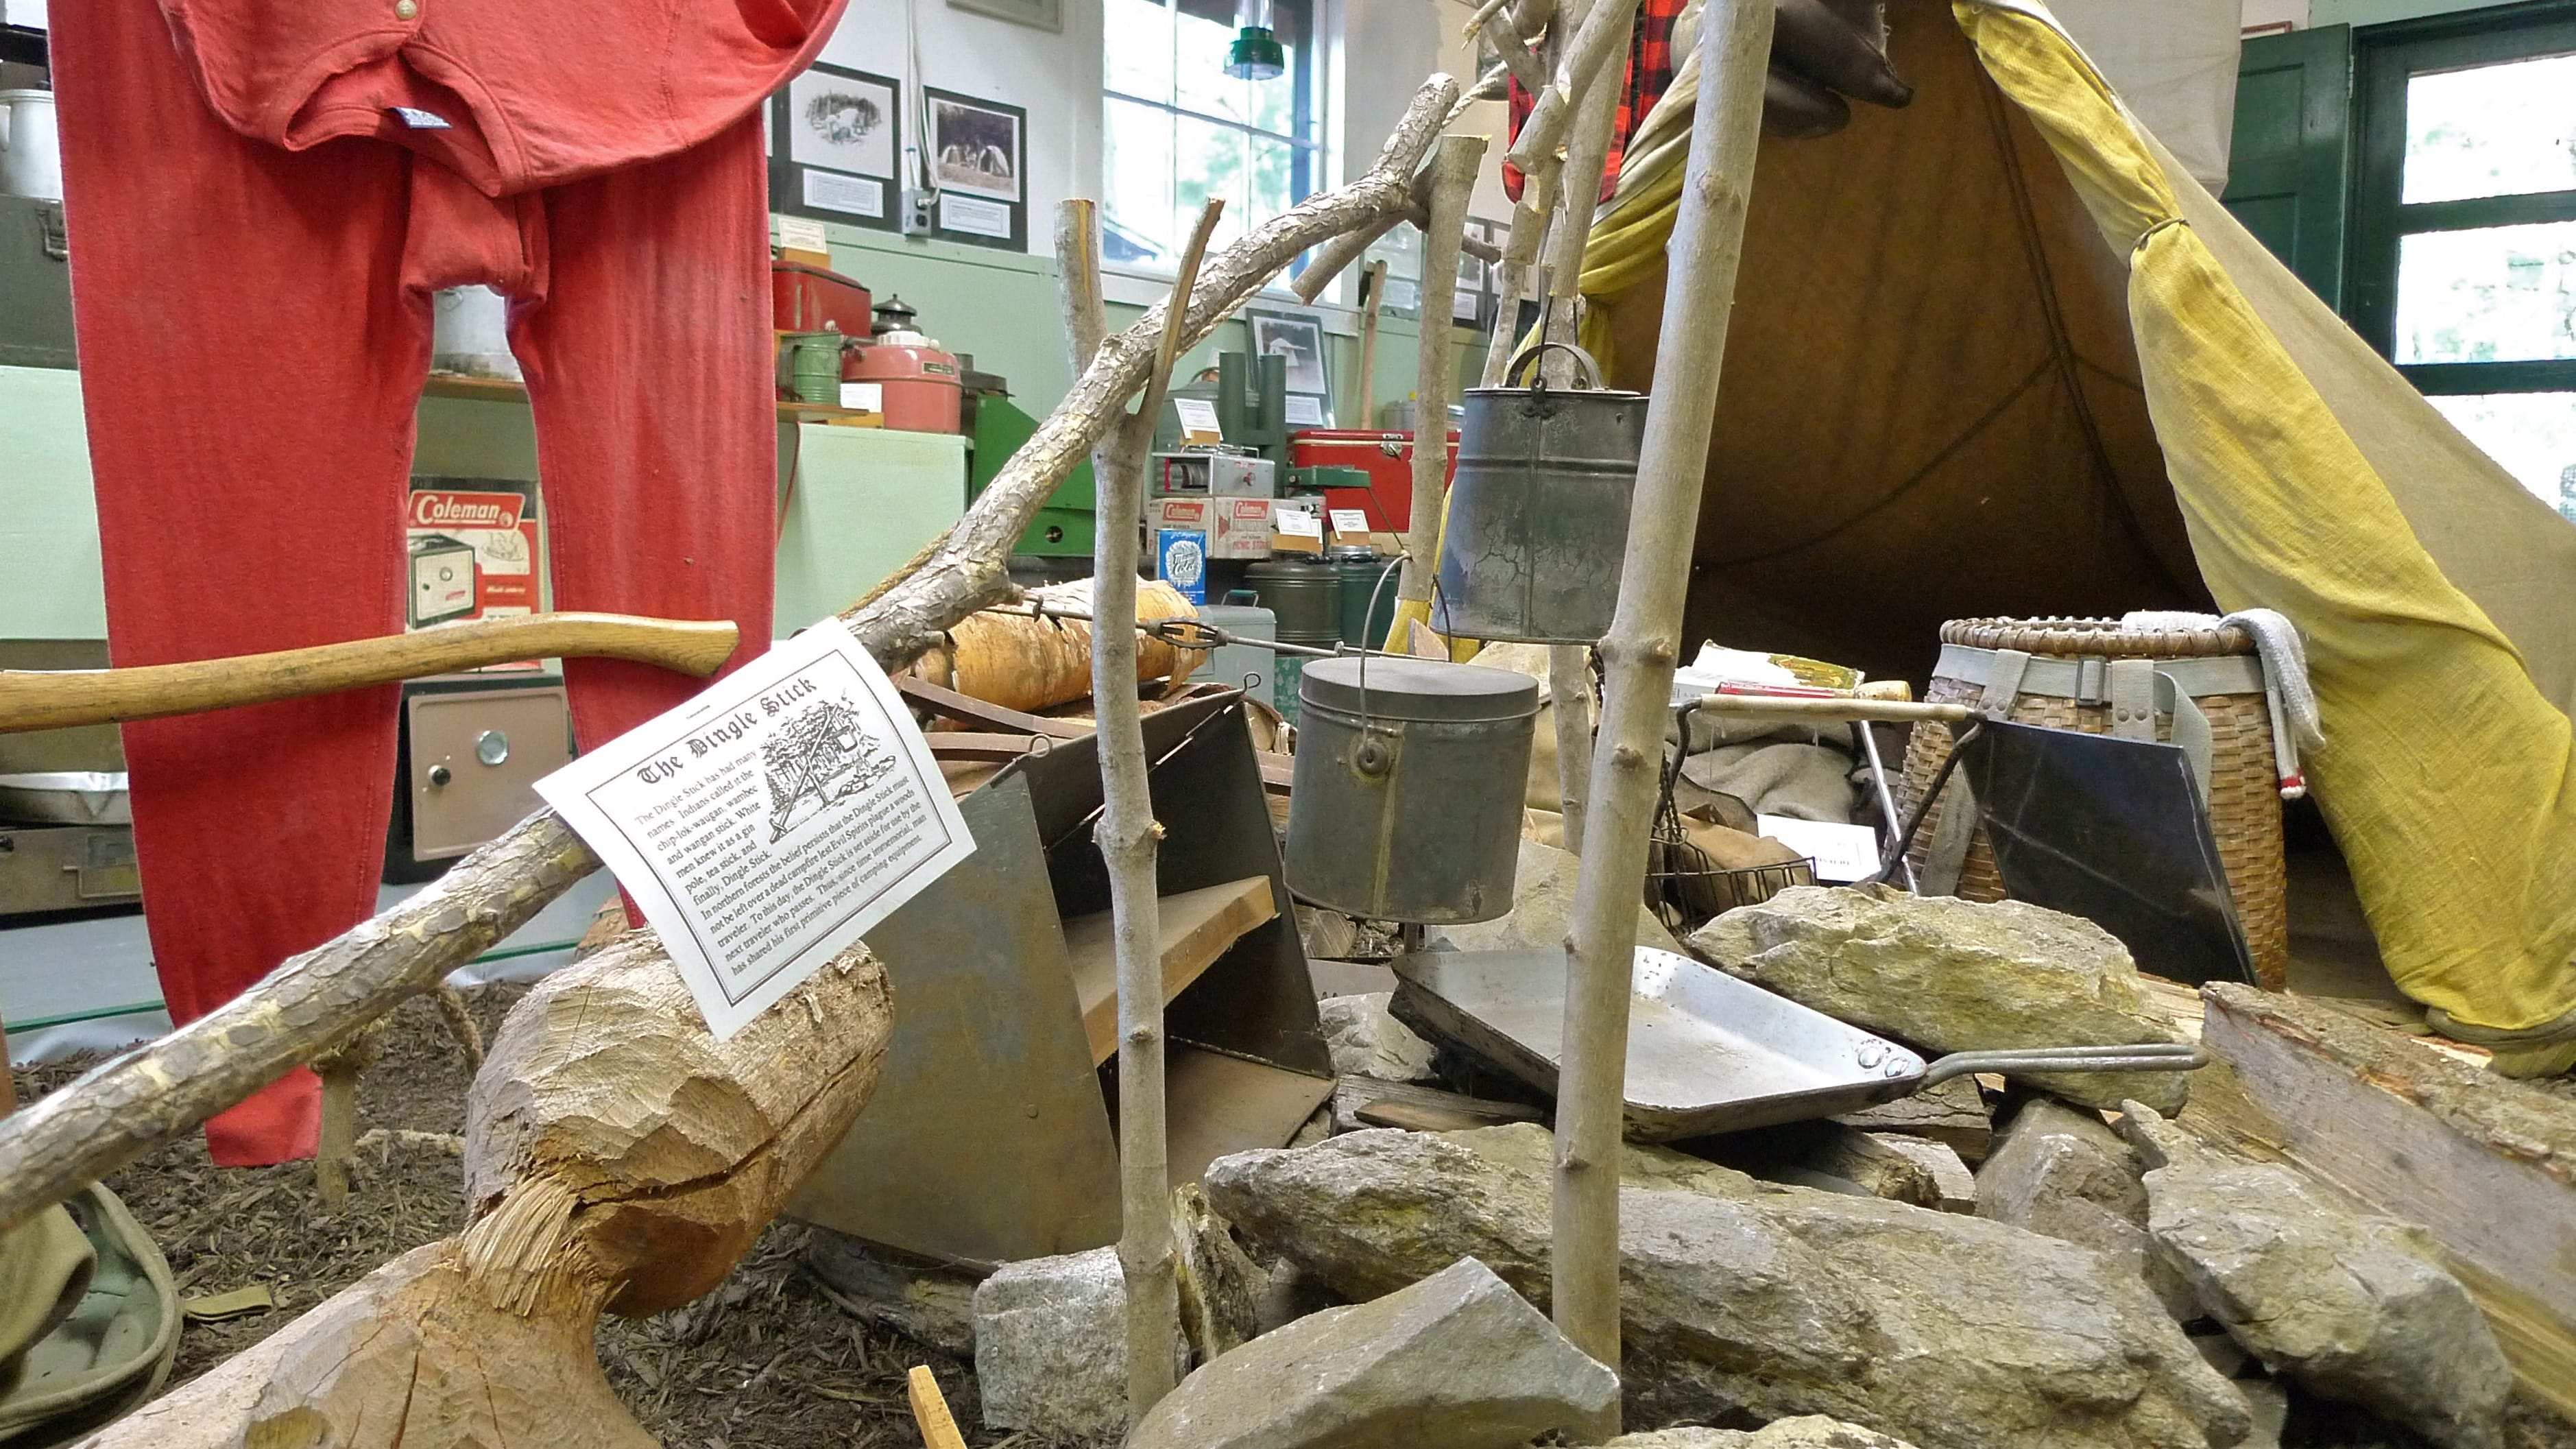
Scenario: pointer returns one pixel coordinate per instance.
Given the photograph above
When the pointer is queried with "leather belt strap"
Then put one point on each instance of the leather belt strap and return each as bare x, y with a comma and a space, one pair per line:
2087, 679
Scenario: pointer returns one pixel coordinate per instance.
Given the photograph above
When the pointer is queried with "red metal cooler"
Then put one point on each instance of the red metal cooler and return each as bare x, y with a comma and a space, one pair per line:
810, 299
1386, 457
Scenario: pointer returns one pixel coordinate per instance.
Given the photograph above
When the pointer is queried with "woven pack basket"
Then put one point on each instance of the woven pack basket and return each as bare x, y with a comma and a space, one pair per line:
2244, 785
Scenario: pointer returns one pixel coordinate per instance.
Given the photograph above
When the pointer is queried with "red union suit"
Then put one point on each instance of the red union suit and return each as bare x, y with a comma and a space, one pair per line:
261, 196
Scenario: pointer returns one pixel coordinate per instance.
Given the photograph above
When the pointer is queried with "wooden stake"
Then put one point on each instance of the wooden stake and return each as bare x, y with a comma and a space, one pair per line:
1372, 299
1640, 653
1128, 833
1587, 160
929, 1406
1453, 176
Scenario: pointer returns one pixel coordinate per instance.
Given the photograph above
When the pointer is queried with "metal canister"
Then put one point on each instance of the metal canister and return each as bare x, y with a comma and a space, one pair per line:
1407, 794
1360, 571
809, 366
1305, 596
1538, 515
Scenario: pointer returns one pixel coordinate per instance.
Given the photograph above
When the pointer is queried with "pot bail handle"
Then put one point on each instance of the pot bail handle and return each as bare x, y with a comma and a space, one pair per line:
1591, 369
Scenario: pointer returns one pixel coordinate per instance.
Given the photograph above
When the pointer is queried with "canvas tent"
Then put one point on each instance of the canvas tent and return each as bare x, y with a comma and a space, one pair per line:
1998, 353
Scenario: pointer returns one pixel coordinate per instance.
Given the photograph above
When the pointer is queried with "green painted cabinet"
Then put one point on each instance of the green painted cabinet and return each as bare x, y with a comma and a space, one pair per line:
2289, 163
1063, 527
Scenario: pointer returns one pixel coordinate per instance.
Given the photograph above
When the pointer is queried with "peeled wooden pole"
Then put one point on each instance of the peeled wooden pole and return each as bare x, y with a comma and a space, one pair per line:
1587, 159
312, 1002
1642, 648
1372, 301
1453, 176
58, 699
1128, 834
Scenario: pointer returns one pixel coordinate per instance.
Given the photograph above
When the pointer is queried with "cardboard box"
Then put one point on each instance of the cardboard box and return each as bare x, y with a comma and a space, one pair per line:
1236, 528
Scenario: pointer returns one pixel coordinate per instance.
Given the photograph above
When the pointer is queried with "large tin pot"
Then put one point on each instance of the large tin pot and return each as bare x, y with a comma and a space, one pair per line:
1538, 517
1306, 598
1406, 805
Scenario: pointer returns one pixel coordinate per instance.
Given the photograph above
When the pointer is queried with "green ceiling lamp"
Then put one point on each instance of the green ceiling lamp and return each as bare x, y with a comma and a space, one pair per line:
1256, 53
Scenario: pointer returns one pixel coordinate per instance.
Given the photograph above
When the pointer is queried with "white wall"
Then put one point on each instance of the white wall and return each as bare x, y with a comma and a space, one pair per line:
1055, 76
2353, 12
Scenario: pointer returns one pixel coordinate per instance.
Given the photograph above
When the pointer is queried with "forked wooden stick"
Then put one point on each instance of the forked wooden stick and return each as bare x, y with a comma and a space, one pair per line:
1640, 653
1453, 176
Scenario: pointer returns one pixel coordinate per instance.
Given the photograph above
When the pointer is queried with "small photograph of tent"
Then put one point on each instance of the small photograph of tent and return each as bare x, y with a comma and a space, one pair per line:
2000, 354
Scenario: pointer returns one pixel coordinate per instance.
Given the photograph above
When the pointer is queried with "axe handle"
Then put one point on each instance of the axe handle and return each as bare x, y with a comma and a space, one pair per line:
1833, 711
48, 699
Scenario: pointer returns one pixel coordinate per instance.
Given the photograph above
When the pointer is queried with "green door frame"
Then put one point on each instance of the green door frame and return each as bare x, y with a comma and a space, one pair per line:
2389, 56
2291, 196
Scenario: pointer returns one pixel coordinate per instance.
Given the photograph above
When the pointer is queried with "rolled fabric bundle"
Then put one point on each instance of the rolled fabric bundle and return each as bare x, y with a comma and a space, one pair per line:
1033, 661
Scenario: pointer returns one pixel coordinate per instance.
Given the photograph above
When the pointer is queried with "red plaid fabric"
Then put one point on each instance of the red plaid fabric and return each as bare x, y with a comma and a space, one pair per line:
1650, 73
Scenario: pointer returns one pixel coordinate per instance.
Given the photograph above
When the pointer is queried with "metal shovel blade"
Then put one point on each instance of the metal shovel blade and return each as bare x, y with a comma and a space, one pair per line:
2113, 830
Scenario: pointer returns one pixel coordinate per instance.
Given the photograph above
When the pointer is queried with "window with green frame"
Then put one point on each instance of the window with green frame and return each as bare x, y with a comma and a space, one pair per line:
2462, 269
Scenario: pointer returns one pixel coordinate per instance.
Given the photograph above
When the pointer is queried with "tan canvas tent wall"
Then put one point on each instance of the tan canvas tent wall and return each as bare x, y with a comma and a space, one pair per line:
1998, 354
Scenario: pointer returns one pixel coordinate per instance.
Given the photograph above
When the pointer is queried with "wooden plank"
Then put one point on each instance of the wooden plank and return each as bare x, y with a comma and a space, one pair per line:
1367, 1102
1197, 927
1216, 1104
2487, 1165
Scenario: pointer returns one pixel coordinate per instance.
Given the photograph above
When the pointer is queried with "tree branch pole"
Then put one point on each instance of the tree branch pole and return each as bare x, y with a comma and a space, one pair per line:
1453, 177
1642, 648
1580, 60
1128, 834
314, 1001
1372, 302
1587, 161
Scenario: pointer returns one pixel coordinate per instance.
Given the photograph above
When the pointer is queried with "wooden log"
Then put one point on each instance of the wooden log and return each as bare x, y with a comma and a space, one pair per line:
46, 700
2487, 1165
617, 1156
1372, 301
1640, 654
1025, 661
1453, 177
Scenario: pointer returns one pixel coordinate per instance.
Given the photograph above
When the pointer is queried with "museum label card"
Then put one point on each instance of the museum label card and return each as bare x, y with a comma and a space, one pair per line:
1841, 852
771, 821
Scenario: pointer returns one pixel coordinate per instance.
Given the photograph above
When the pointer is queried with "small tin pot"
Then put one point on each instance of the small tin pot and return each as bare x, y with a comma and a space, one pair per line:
1406, 803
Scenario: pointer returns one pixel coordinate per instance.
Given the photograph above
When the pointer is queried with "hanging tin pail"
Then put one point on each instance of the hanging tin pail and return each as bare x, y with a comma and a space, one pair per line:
1538, 514
1406, 803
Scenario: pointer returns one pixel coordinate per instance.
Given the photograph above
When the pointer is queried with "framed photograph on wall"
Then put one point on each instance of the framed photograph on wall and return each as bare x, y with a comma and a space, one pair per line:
1298, 337
978, 157
834, 149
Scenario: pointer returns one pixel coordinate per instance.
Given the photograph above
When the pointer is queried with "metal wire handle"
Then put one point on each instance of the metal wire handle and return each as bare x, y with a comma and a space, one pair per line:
1591, 369
2149, 1056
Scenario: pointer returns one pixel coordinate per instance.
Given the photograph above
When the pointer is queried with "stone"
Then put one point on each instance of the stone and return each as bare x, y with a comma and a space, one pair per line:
1807, 1431
1950, 975
1952, 1187
1952, 1112
1366, 1042
2065, 1173
1220, 1285
1882, 1164
1542, 910
923, 1301
2354, 1308
1749, 1302
1051, 1346
1455, 1361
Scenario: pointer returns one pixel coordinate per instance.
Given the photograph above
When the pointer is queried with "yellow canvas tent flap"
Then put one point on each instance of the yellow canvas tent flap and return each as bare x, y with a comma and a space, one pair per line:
1996, 354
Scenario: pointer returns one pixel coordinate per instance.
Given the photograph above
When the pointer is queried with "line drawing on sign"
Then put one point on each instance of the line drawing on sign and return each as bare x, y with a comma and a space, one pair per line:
819, 754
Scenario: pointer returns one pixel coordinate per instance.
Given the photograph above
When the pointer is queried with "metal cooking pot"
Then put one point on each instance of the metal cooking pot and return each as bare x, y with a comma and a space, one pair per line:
1406, 803
1538, 515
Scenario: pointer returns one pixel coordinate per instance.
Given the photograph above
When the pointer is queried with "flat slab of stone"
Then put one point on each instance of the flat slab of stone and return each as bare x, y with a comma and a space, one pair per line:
1953, 976
1740, 1300
1456, 1361
1808, 1431
2354, 1308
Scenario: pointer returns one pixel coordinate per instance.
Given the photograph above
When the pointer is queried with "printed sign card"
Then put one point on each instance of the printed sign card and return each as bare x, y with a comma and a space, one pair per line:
771, 821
